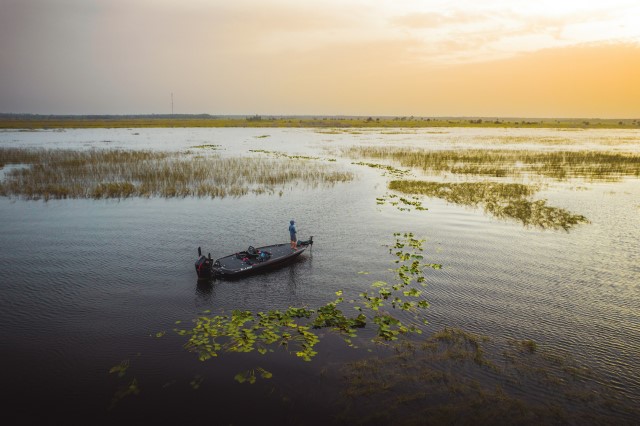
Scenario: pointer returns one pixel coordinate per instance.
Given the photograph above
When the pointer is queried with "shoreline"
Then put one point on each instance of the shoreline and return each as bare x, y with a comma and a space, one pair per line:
44, 122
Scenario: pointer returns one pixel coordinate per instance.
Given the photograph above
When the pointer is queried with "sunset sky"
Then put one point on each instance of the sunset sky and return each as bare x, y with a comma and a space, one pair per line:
491, 58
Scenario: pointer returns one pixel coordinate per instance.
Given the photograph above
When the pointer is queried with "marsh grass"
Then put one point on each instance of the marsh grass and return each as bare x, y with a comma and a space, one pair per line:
208, 146
454, 375
502, 200
559, 165
56, 174
278, 154
609, 139
534, 140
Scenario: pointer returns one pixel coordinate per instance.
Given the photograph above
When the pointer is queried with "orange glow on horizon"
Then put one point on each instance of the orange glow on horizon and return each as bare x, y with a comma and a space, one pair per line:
403, 57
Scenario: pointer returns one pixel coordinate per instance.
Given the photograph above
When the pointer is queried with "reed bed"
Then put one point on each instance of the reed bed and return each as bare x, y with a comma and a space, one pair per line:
560, 165
533, 140
56, 174
502, 200
605, 140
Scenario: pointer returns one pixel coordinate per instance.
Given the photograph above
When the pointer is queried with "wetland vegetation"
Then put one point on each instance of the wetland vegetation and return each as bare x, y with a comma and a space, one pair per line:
559, 165
28, 121
448, 376
55, 174
294, 328
502, 200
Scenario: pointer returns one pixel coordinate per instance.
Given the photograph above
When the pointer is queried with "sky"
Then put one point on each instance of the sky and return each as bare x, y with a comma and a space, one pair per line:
431, 58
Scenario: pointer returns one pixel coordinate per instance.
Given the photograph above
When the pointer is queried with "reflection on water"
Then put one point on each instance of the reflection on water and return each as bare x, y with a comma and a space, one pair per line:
520, 382
87, 284
204, 292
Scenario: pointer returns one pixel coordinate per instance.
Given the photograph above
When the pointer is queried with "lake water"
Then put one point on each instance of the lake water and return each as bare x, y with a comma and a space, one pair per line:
87, 284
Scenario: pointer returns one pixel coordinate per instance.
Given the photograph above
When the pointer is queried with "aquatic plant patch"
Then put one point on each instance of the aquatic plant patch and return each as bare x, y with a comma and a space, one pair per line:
502, 200
57, 174
279, 154
401, 203
388, 170
295, 328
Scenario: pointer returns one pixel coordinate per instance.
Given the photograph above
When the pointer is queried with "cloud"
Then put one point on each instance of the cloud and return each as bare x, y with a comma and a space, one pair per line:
431, 20
455, 36
288, 57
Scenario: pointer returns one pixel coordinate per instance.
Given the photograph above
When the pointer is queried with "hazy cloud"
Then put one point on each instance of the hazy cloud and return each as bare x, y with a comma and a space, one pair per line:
285, 56
430, 20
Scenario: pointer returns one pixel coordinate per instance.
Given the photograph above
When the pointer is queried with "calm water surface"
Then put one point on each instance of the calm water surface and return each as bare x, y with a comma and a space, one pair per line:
87, 284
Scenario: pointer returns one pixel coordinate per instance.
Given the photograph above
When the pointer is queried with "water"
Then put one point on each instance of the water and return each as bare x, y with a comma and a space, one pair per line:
87, 284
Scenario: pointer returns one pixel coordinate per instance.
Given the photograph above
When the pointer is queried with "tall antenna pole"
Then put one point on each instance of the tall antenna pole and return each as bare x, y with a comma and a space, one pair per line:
171, 103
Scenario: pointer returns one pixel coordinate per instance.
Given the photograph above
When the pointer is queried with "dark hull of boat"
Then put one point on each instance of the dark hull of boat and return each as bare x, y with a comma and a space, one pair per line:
244, 263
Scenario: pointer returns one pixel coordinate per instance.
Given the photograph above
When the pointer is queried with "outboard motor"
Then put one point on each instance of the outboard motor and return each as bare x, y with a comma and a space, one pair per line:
203, 266
308, 242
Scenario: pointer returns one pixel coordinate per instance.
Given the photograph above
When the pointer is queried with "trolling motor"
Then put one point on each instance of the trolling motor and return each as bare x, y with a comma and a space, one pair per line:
203, 266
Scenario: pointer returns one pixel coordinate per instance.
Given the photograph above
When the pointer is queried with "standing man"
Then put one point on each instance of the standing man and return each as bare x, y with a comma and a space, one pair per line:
292, 234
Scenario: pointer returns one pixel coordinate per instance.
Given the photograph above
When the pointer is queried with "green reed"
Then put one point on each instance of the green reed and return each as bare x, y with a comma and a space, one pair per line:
56, 174
560, 165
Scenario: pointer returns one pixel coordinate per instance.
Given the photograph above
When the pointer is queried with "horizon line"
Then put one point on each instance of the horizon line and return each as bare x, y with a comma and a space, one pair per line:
313, 116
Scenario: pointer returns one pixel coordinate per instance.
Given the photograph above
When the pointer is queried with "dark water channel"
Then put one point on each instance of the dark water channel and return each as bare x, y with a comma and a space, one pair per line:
86, 285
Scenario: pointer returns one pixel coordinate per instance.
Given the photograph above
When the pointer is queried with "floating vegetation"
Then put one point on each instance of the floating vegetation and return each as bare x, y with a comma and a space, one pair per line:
294, 328
196, 382
395, 172
57, 174
131, 389
401, 203
208, 146
279, 154
262, 136
330, 132
502, 200
121, 368
561, 165
455, 374
250, 375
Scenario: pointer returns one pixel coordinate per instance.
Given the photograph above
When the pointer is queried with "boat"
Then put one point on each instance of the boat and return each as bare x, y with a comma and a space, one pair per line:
249, 261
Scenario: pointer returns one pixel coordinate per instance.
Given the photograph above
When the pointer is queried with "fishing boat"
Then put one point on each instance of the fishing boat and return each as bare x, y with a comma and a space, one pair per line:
249, 261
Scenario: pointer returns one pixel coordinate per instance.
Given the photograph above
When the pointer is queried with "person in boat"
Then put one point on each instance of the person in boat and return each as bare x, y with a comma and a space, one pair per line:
292, 234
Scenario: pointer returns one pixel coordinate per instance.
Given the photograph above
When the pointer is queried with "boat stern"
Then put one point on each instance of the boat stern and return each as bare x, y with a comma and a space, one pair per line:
204, 266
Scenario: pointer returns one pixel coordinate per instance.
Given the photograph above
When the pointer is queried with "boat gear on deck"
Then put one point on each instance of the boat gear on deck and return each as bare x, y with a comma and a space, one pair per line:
248, 261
